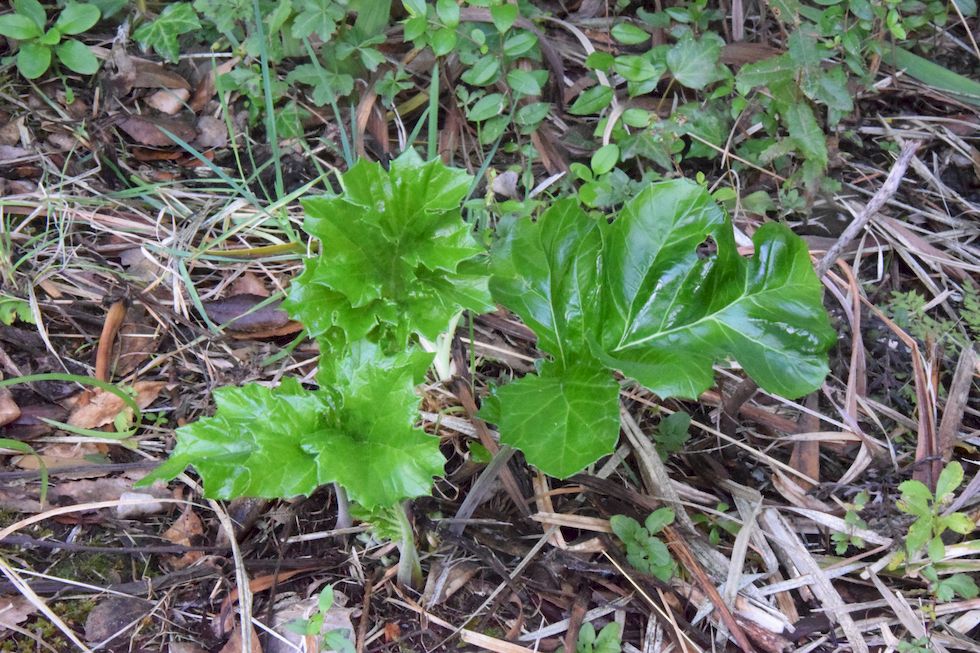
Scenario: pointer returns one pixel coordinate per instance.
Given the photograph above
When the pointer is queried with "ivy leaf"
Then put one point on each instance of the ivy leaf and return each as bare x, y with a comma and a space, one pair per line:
161, 34
639, 296
397, 257
806, 132
768, 72
287, 441
693, 62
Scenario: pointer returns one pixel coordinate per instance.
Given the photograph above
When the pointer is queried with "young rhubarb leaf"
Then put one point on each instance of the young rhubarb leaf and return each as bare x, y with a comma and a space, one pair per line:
641, 295
668, 313
287, 441
253, 444
397, 258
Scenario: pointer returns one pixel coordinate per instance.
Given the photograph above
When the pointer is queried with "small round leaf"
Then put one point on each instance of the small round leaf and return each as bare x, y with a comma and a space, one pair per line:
76, 18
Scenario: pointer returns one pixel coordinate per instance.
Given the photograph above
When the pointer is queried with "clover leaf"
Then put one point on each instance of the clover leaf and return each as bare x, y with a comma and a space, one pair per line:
397, 258
641, 295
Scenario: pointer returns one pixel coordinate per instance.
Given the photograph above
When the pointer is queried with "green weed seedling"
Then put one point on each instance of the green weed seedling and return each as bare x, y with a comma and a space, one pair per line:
844, 540
644, 550
717, 523
926, 532
37, 43
333, 640
607, 640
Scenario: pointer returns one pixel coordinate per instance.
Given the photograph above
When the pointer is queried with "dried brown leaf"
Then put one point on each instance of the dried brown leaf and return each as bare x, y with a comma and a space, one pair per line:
149, 131
14, 610
103, 407
9, 410
169, 101
184, 532
231, 312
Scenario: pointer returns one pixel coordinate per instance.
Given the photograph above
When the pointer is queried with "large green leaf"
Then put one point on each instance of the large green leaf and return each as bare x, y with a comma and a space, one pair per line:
253, 445
545, 272
562, 420
397, 257
288, 441
644, 296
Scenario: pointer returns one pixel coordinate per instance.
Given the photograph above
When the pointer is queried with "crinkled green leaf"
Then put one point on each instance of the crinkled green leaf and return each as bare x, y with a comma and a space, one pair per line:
288, 441
253, 446
162, 32
640, 295
397, 257
644, 552
373, 448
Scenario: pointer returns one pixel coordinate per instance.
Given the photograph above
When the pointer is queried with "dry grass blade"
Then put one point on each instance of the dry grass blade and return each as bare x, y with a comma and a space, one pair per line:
795, 555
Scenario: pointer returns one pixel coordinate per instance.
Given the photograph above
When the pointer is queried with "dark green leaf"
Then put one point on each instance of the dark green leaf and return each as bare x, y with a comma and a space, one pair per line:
658, 311
773, 70
605, 159
161, 34
486, 107
668, 314
591, 101
519, 43
806, 133
694, 62
523, 82
503, 16
630, 34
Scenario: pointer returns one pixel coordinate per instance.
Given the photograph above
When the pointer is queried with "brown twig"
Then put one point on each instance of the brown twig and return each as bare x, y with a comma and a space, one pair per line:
878, 200
113, 321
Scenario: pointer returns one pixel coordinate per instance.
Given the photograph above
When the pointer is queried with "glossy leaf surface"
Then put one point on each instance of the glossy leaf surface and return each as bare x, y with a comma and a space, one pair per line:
397, 257
287, 441
647, 296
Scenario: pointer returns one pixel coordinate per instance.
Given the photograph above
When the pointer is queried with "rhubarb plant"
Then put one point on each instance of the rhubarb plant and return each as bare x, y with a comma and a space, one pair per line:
658, 294
397, 265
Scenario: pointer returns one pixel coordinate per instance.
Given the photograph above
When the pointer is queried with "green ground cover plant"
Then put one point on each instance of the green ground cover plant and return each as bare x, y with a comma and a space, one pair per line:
39, 45
397, 267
